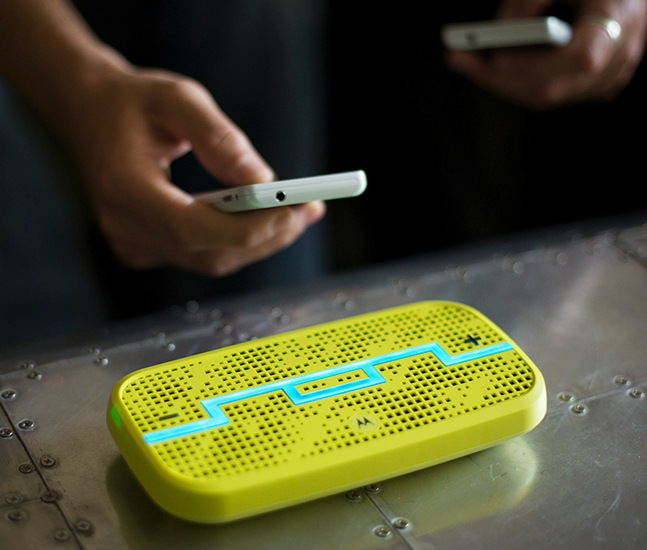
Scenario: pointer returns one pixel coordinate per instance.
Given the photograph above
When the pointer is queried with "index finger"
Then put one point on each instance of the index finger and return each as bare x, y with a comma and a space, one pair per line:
187, 110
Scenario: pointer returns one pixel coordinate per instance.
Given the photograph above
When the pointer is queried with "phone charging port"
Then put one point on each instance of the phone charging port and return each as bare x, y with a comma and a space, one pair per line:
280, 196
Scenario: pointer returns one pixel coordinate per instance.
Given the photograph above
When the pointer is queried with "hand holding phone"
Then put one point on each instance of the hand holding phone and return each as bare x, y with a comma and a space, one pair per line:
287, 192
590, 62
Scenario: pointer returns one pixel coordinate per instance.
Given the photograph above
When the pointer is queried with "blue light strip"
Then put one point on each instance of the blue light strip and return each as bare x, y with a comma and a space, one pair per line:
217, 417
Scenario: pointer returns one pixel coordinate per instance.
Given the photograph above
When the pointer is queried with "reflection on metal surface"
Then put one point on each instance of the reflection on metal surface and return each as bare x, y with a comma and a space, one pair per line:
336, 522
465, 490
588, 489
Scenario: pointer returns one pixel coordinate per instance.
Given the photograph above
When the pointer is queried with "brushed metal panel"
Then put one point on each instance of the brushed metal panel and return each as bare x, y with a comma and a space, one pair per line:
38, 525
29, 512
578, 308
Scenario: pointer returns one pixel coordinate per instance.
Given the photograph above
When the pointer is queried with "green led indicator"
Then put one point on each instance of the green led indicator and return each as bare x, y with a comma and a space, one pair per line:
113, 412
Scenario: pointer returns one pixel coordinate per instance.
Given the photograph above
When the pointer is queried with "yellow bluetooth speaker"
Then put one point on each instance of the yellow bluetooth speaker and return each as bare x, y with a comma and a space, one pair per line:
281, 420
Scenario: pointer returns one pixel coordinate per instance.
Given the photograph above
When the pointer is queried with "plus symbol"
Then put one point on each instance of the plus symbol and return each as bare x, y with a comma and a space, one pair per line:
472, 340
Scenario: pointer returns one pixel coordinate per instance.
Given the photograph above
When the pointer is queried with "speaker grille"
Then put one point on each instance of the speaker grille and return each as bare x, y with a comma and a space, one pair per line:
269, 429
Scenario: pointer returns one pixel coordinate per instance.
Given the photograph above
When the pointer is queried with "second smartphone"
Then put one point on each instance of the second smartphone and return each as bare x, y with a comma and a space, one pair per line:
287, 192
506, 33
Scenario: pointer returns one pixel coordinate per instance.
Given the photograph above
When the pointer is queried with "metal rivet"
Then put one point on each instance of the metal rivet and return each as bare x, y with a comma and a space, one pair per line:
83, 526
464, 275
578, 408
34, 375
16, 515
565, 396
225, 328
400, 523
13, 498
27, 365
513, 266
170, 346
26, 468
8, 394
279, 317
560, 258
621, 380
353, 495
373, 488
6, 432
49, 496
100, 360
406, 290
26, 424
382, 531
61, 534
47, 461
636, 393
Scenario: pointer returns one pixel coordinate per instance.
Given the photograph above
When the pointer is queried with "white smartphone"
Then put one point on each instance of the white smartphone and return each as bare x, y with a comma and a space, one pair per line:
506, 33
286, 192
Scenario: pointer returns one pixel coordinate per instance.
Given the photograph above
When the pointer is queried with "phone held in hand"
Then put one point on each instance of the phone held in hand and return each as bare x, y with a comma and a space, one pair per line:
287, 192
483, 35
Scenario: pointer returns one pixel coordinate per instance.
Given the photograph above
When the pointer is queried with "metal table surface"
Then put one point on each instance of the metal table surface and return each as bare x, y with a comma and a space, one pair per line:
577, 306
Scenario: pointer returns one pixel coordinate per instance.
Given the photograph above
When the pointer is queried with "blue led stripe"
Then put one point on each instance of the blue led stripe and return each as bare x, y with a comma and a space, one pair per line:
217, 417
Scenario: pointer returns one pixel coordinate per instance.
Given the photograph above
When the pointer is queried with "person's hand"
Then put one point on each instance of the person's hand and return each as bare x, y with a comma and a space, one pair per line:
592, 67
125, 126
130, 124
